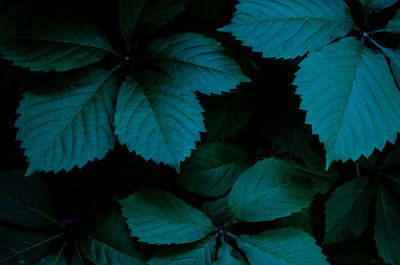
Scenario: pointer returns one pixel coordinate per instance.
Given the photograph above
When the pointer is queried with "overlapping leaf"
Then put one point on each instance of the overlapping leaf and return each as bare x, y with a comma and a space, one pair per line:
196, 62
351, 99
45, 40
158, 119
128, 14
213, 168
289, 28
158, 217
68, 120
228, 256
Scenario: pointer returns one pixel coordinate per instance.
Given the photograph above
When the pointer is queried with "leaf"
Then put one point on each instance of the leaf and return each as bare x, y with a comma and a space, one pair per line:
158, 119
46, 39
218, 210
394, 25
158, 217
287, 246
199, 253
21, 247
228, 256
128, 14
156, 13
196, 62
68, 120
269, 190
106, 246
26, 201
387, 227
348, 210
351, 99
376, 5
213, 168
304, 220
53, 258
289, 28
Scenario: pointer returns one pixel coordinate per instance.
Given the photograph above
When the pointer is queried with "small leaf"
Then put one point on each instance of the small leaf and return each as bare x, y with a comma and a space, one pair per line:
68, 120
394, 25
213, 168
107, 241
26, 201
348, 210
199, 253
196, 62
228, 256
158, 217
351, 99
286, 246
158, 119
218, 210
289, 28
376, 5
45, 39
269, 190
387, 227
128, 14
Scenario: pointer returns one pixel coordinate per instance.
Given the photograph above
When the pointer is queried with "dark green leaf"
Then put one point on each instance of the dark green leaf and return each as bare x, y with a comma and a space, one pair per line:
213, 168
54, 258
158, 217
128, 14
304, 220
376, 5
218, 210
228, 256
67, 121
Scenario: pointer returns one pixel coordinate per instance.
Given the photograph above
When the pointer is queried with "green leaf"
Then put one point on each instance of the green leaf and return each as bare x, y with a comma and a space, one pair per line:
20, 247
156, 13
286, 246
269, 190
394, 25
45, 39
228, 256
387, 227
304, 220
351, 99
107, 241
376, 5
213, 168
199, 253
158, 217
218, 210
26, 201
289, 28
196, 62
348, 210
67, 121
158, 119
128, 14
53, 258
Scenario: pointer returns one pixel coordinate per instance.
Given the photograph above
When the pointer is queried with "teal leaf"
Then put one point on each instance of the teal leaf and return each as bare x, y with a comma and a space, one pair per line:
45, 40
287, 246
21, 247
351, 99
387, 227
67, 121
228, 256
196, 62
156, 13
218, 210
158, 119
270, 189
199, 253
158, 217
304, 220
394, 25
54, 258
107, 242
128, 14
394, 56
26, 201
213, 168
376, 5
348, 210
289, 28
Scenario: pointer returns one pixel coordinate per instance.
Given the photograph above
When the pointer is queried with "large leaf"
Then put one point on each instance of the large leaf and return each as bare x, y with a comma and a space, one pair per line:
158, 119
26, 201
351, 99
213, 168
196, 62
348, 210
46, 39
199, 253
158, 217
20, 247
107, 242
289, 28
287, 246
228, 256
387, 227
128, 14
376, 5
269, 190
68, 120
